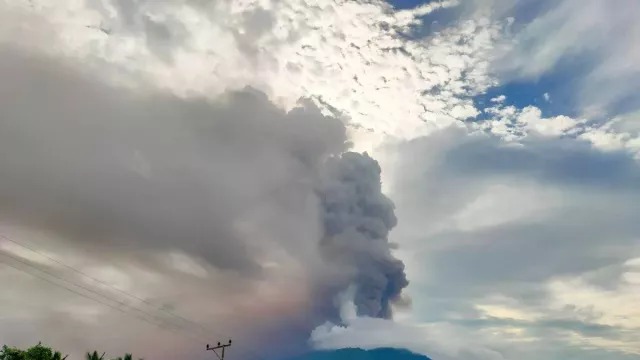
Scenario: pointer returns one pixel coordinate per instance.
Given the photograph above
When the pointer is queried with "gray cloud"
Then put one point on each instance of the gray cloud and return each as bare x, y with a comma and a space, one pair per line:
601, 187
101, 165
131, 174
586, 329
166, 34
485, 219
128, 175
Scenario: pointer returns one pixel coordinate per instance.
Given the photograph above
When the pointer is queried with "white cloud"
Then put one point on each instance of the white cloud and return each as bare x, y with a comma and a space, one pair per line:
496, 232
438, 341
512, 123
619, 133
591, 40
499, 99
347, 54
614, 306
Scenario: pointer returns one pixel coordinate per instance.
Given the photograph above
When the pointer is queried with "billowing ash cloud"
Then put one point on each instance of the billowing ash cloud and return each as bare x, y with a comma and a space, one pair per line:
357, 221
139, 171
263, 198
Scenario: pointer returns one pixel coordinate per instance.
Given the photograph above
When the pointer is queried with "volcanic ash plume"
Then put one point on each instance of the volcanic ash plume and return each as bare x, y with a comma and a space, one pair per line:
357, 221
248, 191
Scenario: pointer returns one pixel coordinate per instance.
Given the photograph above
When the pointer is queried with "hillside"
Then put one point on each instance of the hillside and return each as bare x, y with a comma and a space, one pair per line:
359, 354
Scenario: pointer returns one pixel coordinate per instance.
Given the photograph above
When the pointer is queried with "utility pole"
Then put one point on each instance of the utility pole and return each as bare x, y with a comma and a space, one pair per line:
219, 346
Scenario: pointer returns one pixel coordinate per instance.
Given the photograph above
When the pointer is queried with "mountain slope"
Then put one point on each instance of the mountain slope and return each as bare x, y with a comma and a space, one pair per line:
359, 354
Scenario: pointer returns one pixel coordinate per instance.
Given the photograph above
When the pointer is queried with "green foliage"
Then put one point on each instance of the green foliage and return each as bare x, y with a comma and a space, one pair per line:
12, 353
94, 356
127, 356
38, 352
41, 352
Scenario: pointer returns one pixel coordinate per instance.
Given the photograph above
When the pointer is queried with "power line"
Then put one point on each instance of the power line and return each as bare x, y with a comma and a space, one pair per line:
78, 293
109, 285
255, 354
91, 291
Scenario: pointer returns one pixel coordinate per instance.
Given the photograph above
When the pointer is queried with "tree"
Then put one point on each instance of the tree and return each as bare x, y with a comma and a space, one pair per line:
38, 352
94, 356
127, 356
41, 352
11, 353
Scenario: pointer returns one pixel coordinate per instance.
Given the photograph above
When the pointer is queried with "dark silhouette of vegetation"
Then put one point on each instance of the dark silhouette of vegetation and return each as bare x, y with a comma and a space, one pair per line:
94, 356
41, 352
126, 357
38, 352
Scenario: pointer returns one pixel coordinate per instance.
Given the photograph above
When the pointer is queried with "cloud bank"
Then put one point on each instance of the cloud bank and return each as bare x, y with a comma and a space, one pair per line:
522, 243
233, 190
513, 241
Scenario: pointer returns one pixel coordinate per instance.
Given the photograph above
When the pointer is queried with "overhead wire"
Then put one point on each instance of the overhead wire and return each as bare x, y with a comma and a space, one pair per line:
160, 323
77, 292
110, 285
255, 356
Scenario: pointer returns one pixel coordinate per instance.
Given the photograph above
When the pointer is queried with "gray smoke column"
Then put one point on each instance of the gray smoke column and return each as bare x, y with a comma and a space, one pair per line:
357, 221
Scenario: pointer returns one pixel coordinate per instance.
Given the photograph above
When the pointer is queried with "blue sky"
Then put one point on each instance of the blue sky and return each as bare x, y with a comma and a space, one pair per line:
558, 82
405, 4
507, 135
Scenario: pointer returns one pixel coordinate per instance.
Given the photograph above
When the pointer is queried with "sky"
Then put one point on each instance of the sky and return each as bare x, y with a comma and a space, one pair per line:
177, 172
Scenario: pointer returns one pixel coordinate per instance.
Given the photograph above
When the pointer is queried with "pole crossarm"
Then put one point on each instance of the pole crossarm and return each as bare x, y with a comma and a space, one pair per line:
217, 347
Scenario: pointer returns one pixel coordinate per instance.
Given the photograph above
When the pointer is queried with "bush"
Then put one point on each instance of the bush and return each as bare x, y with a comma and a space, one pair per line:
41, 352
38, 352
